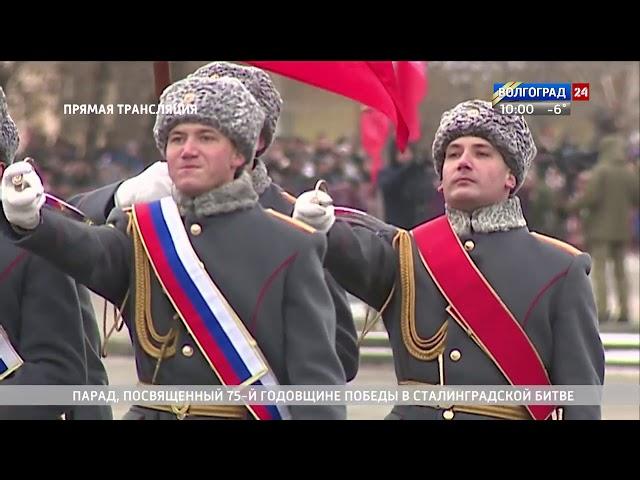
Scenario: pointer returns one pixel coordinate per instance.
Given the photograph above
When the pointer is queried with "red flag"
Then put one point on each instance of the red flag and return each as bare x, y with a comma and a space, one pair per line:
374, 128
412, 84
371, 83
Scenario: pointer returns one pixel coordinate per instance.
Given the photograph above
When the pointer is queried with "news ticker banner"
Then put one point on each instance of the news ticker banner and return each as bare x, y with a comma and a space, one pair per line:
322, 395
523, 98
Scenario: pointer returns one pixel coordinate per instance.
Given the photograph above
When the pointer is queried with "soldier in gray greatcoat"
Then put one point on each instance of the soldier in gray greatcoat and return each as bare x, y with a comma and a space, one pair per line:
154, 183
42, 339
275, 286
482, 158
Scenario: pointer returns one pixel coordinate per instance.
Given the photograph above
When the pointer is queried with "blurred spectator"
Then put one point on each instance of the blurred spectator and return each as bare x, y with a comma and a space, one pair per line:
634, 167
539, 204
606, 204
66, 172
406, 189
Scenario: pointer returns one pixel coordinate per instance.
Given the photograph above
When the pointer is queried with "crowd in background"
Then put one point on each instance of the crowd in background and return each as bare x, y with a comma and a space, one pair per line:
588, 198
66, 171
405, 191
407, 184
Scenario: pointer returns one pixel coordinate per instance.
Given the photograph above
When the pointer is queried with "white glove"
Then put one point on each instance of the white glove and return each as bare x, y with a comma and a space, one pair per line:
152, 184
22, 203
315, 208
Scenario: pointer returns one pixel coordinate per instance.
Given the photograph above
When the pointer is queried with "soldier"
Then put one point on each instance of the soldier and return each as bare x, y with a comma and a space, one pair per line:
154, 183
205, 303
610, 194
41, 321
96, 371
473, 297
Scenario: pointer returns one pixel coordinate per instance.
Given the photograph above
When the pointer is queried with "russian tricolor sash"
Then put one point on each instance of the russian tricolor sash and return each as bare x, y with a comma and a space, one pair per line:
476, 306
10, 361
221, 336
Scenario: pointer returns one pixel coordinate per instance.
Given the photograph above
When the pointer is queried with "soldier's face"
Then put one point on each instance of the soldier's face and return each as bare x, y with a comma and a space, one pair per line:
200, 158
474, 174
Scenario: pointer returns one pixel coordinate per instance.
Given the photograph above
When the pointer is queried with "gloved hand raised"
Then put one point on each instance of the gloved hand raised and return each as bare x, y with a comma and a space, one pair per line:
315, 208
22, 195
152, 184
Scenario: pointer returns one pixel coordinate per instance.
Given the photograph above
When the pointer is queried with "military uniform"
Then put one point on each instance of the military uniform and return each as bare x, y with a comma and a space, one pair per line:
473, 298
96, 371
42, 318
274, 197
274, 285
97, 203
542, 281
267, 267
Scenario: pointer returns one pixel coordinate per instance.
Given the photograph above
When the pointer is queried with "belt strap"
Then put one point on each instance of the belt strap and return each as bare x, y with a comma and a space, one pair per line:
220, 411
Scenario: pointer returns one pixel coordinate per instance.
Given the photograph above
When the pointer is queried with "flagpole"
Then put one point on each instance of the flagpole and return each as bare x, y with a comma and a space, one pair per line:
161, 76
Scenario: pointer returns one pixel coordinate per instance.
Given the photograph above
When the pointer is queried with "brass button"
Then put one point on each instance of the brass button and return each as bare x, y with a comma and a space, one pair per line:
455, 355
187, 350
448, 414
469, 245
196, 229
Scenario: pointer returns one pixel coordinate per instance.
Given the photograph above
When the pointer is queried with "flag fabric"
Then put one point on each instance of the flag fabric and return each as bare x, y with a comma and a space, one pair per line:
412, 84
374, 129
372, 83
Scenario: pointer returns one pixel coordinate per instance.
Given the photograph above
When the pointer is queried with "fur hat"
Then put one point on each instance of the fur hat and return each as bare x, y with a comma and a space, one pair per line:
224, 104
261, 87
509, 134
9, 139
